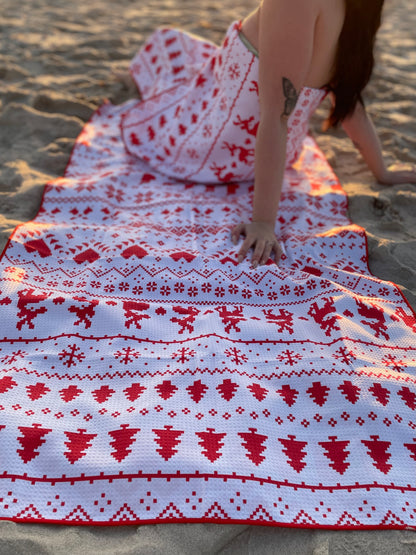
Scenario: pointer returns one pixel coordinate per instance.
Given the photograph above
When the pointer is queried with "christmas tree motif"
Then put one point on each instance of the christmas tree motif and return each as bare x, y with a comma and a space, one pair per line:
78, 444
31, 440
227, 389
122, 439
412, 449
253, 442
350, 391
70, 393
409, 397
336, 452
35, 392
293, 449
211, 442
134, 391
166, 389
378, 452
102, 394
167, 439
259, 392
197, 390
6, 383
318, 393
380, 393
289, 394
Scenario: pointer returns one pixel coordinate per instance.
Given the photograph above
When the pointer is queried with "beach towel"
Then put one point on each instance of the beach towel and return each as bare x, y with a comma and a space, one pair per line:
146, 377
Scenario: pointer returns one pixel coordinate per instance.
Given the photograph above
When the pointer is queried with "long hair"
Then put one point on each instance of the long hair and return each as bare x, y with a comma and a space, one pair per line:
354, 60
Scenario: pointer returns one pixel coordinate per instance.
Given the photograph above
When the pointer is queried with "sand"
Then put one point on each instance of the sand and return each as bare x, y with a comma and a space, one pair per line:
56, 64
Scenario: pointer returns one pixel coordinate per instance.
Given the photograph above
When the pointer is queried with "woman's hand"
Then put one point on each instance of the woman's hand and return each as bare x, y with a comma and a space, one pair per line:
394, 175
260, 236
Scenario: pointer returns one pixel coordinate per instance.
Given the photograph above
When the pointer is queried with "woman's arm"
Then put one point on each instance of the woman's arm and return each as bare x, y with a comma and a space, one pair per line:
286, 36
361, 131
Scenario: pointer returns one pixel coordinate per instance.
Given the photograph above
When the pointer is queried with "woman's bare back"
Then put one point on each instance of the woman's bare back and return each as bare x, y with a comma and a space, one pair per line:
327, 31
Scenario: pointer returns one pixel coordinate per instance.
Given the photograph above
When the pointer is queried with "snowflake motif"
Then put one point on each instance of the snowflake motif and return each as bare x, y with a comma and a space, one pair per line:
344, 355
71, 357
151, 286
183, 355
335, 207
394, 363
126, 355
289, 357
192, 153
234, 71
14, 357
206, 287
237, 356
299, 290
179, 287
383, 291
311, 284
207, 131
284, 290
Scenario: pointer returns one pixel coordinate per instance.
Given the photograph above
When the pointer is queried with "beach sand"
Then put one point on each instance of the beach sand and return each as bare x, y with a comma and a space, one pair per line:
56, 64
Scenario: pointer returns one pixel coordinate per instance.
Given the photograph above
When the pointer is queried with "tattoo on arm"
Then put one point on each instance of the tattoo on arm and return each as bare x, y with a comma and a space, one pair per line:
291, 96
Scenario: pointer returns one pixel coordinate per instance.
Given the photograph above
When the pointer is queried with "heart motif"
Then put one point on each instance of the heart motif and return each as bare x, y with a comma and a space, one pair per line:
134, 250
176, 256
39, 246
90, 255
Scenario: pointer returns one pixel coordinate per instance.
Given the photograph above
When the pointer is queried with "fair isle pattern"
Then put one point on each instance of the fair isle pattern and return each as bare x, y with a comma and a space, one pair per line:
146, 377
200, 113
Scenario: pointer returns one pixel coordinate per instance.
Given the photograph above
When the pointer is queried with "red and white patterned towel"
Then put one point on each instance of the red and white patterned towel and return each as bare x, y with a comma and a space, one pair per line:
146, 377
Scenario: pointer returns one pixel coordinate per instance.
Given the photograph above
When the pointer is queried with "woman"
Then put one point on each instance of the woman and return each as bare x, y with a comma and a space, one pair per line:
303, 45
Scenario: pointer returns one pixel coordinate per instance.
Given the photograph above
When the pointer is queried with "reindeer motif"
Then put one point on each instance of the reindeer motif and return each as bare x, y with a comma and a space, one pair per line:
84, 312
244, 154
375, 318
27, 314
247, 125
218, 170
284, 319
189, 313
231, 318
321, 315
